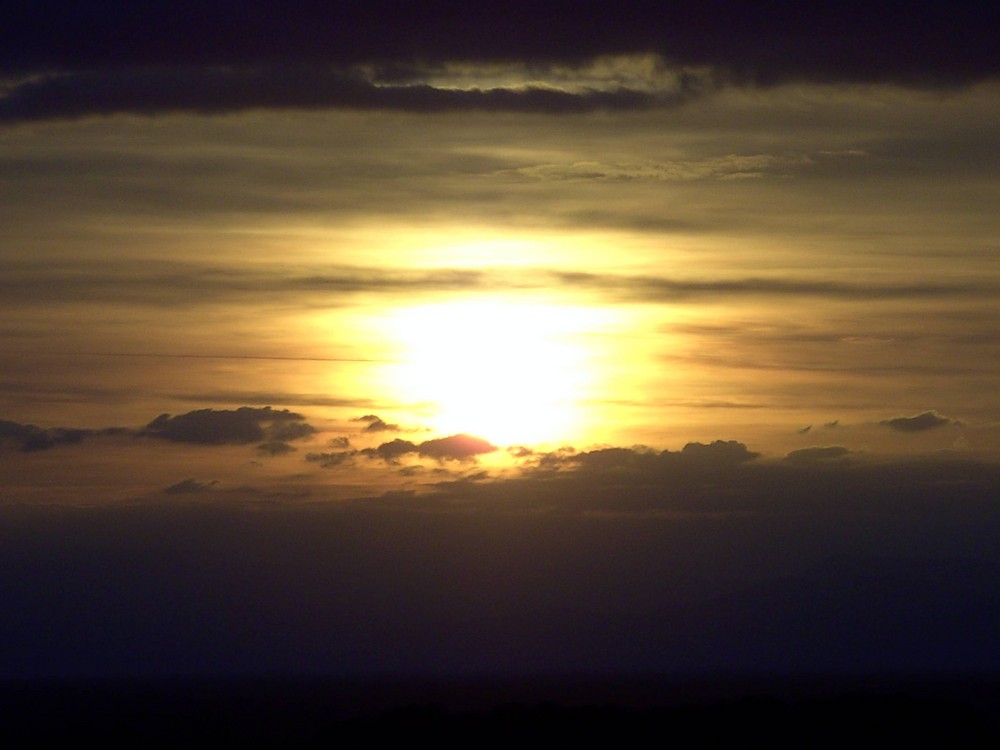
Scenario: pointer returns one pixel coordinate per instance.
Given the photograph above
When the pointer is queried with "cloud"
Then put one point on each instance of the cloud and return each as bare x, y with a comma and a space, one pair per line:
204, 91
275, 448
251, 397
626, 560
729, 167
920, 44
276, 428
219, 426
285, 430
456, 447
391, 451
29, 438
190, 486
652, 288
716, 455
332, 459
173, 283
726, 477
521, 58
375, 424
927, 420
820, 454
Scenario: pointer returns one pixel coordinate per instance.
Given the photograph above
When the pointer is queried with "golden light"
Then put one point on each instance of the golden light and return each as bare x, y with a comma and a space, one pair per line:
509, 370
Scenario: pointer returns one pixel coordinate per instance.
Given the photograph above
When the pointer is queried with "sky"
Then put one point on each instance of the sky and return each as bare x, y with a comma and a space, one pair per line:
549, 337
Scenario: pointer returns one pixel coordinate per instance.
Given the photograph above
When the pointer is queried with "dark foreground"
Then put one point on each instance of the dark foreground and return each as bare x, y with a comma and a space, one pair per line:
319, 713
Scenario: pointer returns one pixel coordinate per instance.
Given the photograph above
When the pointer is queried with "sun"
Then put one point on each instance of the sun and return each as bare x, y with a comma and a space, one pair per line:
511, 371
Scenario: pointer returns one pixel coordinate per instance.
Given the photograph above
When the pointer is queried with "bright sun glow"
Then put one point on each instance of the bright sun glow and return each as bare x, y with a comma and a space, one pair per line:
513, 372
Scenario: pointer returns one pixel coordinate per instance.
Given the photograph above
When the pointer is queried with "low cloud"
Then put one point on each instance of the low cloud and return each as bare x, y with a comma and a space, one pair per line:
660, 289
220, 426
272, 428
220, 91
725, 477
818, 454
195, 284
391, 451
728, 167
28, 438
927, 420
183, 283
275, 448
331, 459
717, 455
375, 424
458, 447
190, 486
881, 567
516, 58
454, 447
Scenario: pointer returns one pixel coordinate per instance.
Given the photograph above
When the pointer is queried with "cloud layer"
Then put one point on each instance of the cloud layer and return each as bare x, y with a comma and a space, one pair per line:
618, 561
216, 427
63, 63
850, 40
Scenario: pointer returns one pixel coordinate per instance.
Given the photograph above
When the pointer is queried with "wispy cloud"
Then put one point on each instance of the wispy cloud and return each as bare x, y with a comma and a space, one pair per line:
728, 167
651, 288
171, 284
219, 91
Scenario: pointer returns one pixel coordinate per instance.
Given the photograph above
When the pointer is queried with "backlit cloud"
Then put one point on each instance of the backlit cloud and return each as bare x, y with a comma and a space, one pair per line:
458, 447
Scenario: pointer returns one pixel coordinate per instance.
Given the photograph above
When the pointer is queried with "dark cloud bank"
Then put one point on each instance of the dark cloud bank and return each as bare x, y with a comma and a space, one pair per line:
218, 426
248, 424
779, 40
609, 565
613, 561
93, 58
29, 438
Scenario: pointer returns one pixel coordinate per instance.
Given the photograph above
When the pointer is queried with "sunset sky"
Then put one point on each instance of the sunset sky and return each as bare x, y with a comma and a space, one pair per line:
479, 316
